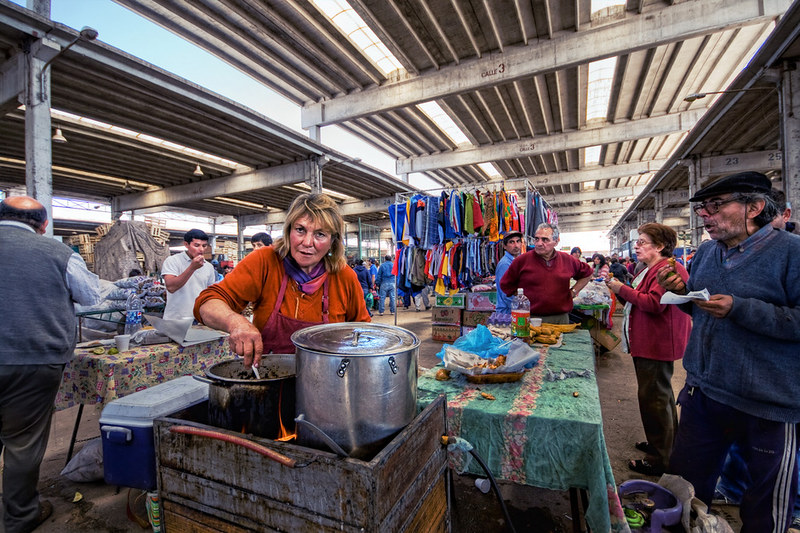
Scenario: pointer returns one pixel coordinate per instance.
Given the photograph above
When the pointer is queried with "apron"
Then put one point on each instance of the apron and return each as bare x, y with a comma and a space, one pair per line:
277, 332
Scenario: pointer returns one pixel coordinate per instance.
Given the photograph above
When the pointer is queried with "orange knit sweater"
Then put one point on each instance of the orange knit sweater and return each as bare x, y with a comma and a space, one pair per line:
257, 278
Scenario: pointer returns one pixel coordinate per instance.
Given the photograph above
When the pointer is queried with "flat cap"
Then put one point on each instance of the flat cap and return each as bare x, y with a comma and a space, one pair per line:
740, 182
511, 234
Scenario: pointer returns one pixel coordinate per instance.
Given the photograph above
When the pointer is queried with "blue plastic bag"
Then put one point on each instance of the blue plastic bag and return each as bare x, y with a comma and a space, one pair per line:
481, 342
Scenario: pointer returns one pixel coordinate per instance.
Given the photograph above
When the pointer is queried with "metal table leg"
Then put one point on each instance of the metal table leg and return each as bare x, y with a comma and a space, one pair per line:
585, 502
576, 512
75, 434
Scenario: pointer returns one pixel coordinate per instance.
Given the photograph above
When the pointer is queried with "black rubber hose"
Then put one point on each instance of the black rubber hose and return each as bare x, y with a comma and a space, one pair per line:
496, 489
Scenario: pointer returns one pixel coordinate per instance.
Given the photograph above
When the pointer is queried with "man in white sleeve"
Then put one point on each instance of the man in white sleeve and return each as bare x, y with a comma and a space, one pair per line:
186, 274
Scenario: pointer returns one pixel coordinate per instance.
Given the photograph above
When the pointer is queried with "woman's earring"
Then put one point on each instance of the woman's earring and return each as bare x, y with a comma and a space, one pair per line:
330, 253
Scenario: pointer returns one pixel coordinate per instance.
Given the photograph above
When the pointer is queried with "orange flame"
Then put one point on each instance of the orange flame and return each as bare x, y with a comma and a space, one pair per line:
283, 434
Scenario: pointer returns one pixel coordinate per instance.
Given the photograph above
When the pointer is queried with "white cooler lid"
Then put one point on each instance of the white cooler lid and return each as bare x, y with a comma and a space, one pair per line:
141, 408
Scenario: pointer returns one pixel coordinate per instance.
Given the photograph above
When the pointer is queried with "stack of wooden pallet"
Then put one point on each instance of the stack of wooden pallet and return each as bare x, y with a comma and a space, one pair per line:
229, 249
158, 229
84, 242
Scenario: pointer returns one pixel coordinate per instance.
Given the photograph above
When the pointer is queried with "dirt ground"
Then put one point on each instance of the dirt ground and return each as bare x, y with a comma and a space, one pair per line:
101, 507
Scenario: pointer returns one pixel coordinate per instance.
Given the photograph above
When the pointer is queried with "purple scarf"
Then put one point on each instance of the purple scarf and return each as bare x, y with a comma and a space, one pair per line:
308, 283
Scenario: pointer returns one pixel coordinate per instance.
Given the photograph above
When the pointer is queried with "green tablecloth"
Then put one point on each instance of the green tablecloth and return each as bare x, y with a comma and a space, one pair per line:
539, 432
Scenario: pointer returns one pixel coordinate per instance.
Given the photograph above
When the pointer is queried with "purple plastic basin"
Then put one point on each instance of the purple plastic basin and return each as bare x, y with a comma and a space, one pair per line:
668, 509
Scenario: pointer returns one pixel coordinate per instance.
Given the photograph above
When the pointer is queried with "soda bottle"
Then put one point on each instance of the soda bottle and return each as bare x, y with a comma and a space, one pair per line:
520, 315
133, 314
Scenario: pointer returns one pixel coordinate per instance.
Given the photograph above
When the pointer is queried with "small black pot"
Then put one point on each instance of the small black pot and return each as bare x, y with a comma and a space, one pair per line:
239, 402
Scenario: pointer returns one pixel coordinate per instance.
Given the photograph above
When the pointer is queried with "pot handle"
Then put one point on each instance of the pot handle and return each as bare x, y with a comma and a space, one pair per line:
301, 419
234, 439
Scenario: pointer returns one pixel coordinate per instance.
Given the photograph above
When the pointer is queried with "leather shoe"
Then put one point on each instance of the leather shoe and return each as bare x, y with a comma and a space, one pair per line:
45, 510
643, 466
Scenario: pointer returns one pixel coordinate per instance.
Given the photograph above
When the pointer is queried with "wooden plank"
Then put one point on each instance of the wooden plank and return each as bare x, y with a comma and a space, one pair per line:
399, 463
415, 501
247, 510
432, 515
401, 486
179, 519
233, 466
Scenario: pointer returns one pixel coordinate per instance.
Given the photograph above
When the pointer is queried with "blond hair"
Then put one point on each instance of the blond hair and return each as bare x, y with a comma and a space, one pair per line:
321, 209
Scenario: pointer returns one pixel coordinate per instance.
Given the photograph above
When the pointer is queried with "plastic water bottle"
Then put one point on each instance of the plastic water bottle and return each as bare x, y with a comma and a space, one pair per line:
520, 315
133, 314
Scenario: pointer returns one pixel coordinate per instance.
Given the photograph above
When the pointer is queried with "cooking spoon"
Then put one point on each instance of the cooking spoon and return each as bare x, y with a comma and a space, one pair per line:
255, 371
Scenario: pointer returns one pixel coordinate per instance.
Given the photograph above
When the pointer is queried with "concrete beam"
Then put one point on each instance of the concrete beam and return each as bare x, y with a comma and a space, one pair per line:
20, 19
730, 164
605, 134
346, 209
615, 207
672, 212
677, 197
567, 50
13, 75
237, 183
584, 175
579, 219
606, 194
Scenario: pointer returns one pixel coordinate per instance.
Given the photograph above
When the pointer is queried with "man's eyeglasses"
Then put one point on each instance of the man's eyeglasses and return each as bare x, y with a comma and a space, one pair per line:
712, 207
642, 242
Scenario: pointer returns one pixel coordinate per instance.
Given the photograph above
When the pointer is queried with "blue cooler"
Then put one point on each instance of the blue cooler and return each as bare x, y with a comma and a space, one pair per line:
126, 426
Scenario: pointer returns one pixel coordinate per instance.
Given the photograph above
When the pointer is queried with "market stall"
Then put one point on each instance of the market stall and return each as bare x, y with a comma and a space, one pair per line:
544, 430
96, 377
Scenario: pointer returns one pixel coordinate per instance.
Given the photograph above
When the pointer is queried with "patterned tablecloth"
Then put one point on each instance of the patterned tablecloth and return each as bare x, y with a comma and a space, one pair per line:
92, 379
545, 430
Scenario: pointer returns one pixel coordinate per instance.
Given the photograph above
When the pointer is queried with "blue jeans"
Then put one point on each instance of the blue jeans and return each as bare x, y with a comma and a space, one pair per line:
735, 479
387, 289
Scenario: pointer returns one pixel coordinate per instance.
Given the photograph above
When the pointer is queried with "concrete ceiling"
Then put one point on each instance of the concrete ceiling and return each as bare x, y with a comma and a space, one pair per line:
741, 131
513, 75
101, 83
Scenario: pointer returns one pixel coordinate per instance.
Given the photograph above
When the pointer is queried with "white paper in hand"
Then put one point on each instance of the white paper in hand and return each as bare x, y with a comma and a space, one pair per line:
672, 298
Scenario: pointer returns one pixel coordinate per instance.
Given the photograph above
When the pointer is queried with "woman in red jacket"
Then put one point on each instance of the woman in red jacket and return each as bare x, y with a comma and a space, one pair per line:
656, 335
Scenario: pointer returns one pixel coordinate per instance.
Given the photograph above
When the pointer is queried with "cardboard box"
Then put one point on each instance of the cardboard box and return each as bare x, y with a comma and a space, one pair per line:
453, 300
605, 337
465, 330
481, 301
126, 427
446, 315
471, 319
445, 333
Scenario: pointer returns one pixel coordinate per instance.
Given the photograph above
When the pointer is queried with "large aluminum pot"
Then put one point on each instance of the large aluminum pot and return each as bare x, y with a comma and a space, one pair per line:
357, 382
240, 402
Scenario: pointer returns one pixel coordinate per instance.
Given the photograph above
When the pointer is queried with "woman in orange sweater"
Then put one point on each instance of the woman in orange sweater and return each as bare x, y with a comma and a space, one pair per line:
302, 280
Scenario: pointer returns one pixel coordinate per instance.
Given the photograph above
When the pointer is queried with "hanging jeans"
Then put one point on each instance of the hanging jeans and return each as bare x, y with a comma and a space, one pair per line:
387, 289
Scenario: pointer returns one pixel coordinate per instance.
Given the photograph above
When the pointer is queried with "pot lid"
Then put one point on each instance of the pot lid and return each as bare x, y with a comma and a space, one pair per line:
355, 338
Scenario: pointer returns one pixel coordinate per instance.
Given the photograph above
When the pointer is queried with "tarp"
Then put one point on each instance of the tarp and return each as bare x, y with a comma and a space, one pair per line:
115, 253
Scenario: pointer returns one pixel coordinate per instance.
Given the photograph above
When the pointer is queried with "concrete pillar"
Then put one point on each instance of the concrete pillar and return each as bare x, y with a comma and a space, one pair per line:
360, 239
790, 133
40, 7
695, 222
315, 180
38, 148
658, 199
239, 239
212, 239
315, 133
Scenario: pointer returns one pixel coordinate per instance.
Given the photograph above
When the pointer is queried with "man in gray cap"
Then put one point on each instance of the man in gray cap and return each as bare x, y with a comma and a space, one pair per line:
742, 359
512, 242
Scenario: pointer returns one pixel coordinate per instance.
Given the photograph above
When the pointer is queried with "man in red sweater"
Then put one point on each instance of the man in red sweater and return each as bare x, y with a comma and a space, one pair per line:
544, 275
